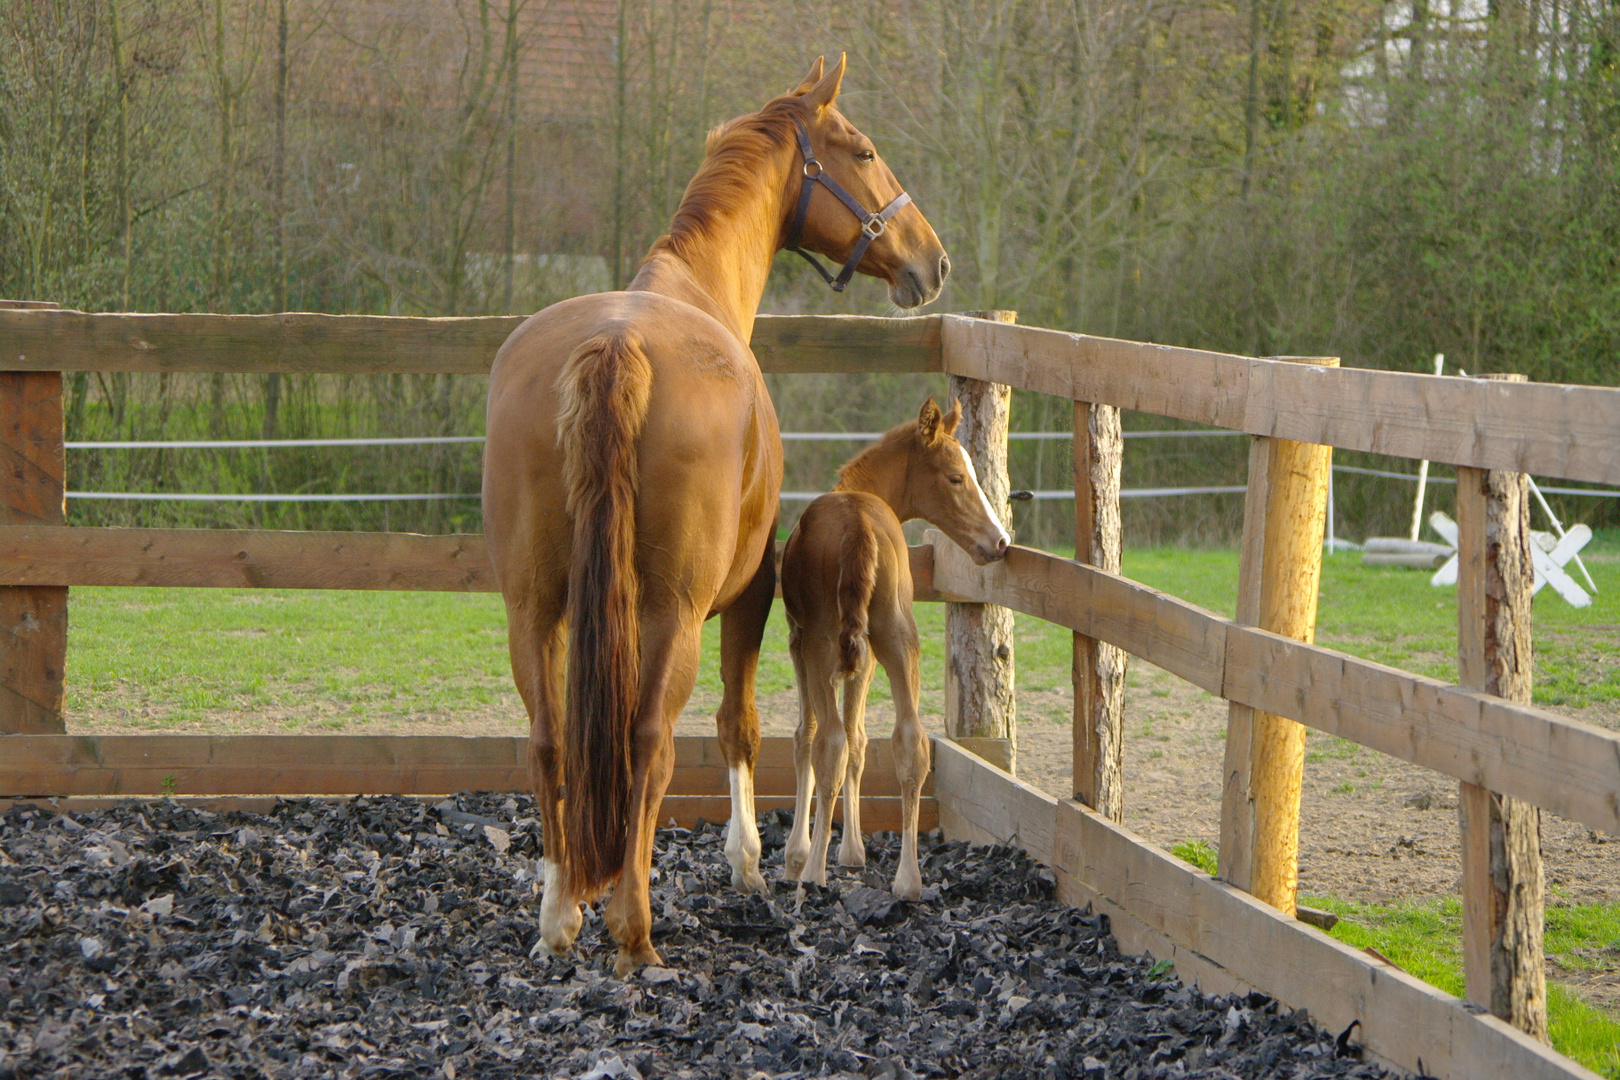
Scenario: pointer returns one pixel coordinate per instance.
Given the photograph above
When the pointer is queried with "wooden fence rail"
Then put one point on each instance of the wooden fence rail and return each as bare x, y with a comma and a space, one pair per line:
1501, 749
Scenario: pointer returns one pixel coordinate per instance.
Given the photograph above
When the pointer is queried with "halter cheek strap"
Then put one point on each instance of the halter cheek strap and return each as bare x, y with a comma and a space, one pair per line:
872, 225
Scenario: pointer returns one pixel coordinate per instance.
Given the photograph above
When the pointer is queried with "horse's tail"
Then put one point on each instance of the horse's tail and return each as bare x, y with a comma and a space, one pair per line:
603, 391
857, 578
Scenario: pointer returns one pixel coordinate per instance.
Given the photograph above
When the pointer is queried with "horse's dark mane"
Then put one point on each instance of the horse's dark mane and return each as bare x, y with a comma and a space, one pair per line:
733, 155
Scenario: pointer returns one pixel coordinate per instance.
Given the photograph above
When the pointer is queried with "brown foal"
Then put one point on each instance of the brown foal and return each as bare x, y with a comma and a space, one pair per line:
846, 582
631, 477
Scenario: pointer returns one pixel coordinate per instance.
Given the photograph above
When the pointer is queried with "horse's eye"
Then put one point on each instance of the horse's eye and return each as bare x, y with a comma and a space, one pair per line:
956, 479
865, 155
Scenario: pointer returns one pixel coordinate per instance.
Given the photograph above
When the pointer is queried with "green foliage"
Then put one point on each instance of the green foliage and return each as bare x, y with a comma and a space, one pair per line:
1199, 853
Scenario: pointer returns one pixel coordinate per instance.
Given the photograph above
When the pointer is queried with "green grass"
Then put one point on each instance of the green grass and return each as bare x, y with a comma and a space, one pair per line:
1425, 940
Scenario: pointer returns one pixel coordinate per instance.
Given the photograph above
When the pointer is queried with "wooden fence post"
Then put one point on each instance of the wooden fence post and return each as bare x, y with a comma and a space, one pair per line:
979, 637
1099, 668
1279, 573
1503, 882
33, 618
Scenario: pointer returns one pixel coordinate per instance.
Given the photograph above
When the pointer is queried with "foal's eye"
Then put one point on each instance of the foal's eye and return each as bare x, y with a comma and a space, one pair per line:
956, 479
865, 155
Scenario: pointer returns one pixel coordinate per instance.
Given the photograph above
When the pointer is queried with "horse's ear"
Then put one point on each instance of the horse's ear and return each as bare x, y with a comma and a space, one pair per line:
928, 422
817, 69
825, 92
952, 418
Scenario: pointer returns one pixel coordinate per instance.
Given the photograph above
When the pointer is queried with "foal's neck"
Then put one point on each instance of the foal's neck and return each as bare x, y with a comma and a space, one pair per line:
879, 471
722, 268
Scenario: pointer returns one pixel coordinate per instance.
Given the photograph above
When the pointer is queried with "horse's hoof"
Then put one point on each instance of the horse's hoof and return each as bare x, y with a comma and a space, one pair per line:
852, 857
545, 950
908, 889
629, 960
749, 881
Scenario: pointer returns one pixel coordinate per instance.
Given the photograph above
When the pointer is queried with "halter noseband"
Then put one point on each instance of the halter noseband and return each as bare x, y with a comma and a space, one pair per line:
872, 225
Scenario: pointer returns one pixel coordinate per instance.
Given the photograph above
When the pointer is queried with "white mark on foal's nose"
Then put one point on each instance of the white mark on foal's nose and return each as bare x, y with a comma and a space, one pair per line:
1002, 539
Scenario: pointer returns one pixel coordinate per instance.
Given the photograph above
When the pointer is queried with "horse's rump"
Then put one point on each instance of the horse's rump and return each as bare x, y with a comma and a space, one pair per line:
603, 392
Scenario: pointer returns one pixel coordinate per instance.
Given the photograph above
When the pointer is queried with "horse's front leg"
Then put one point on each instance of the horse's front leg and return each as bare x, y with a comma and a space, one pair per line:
742, 628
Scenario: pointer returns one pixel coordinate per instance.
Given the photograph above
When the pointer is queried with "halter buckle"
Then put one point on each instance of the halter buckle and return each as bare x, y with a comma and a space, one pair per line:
808, 175
874, 226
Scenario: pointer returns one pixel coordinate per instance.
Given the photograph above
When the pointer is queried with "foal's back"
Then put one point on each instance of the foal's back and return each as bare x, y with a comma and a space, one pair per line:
846, 563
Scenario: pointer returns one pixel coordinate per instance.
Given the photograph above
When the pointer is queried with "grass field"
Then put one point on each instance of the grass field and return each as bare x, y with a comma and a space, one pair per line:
175, 659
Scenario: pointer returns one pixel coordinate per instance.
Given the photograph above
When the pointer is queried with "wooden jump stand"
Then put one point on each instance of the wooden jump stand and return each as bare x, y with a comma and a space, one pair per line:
1509, 756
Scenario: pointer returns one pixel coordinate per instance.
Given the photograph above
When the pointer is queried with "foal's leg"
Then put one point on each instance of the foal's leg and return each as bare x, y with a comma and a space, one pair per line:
669, 649
852, 845
830, 755
896, 645
535, 639
804, 773
742, 628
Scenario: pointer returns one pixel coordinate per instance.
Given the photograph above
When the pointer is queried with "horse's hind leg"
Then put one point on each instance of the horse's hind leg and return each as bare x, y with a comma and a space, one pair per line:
797, 851
830, 754
535, 638
669, 649
896, 645
742, 628
852, 845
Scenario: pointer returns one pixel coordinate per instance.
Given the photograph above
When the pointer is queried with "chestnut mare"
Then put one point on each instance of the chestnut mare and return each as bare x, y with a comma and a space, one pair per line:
846, 583
631, 478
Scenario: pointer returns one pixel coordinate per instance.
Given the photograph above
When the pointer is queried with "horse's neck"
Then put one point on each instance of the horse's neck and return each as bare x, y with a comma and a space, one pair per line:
880, 474
722, 271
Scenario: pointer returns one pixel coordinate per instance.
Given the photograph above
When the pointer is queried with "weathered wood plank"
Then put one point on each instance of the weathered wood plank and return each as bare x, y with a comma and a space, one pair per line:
984, 804
1097, 668
980, 680
67, 555
1562, 765
359, 344
1237, 936
1544, 429
1503, 882
33, 618
1177, 636
115, 765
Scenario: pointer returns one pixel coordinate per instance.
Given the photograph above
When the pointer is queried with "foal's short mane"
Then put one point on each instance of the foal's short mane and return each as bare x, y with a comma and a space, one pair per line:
734, 153
861, 467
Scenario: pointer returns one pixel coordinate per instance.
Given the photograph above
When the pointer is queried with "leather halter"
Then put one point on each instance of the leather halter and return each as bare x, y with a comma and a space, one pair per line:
872, 225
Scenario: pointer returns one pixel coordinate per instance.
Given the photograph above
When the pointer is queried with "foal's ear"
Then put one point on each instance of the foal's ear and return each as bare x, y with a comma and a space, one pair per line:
817, 69
929, 421
825, 91
952, 418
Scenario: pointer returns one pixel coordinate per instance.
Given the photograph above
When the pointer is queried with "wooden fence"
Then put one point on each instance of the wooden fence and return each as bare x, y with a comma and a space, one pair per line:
1508, 755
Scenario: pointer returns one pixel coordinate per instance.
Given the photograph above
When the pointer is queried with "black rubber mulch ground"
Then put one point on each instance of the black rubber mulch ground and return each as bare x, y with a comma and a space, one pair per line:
386, 938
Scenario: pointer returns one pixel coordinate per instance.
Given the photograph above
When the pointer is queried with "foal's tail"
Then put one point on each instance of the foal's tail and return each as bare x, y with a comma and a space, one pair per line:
857, 577
604, 389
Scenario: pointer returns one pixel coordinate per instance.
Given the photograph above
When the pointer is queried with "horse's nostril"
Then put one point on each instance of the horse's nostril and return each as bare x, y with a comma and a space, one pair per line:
944, 268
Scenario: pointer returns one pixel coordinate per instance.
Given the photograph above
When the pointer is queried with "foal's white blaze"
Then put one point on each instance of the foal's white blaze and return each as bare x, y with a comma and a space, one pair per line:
984, 500
742, 834
559, 916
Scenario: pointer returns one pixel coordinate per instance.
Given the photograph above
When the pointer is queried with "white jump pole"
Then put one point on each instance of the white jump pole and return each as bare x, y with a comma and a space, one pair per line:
1423, 466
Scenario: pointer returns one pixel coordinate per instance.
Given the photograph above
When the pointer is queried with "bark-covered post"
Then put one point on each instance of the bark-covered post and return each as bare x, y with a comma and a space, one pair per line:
33, 618
1099, 668
979, 637
1503, 881
1279, 576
